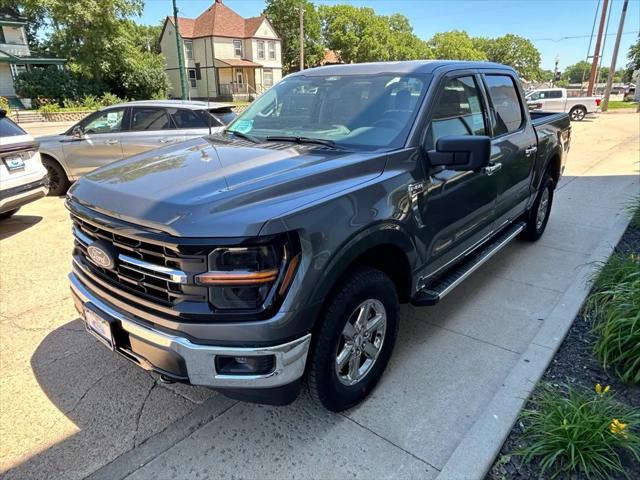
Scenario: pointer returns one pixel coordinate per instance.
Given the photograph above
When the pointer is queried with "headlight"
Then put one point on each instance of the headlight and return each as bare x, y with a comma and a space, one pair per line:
245, 278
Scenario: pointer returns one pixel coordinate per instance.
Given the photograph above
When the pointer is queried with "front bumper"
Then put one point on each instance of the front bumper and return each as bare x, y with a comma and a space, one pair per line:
146, 345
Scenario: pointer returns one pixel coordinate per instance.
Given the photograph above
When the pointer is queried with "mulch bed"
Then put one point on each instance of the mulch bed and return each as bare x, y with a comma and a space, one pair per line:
574, 364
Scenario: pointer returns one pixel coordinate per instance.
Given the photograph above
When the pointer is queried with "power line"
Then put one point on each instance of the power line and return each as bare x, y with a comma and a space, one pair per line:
574, 37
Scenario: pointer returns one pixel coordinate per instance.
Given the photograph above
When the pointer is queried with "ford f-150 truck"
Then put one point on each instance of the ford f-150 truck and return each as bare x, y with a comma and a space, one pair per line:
280, 250
557, 100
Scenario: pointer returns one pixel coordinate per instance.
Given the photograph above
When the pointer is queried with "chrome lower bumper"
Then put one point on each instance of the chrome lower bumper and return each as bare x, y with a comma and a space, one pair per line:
290, 358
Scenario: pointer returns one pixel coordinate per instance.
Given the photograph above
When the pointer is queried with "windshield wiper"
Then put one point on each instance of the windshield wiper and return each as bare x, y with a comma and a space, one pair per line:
243, 135
318, 141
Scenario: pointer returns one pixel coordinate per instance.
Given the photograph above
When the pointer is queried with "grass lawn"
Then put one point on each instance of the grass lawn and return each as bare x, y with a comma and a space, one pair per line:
617, 104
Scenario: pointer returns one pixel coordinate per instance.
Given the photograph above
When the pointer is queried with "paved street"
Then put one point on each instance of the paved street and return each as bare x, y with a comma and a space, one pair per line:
71, 409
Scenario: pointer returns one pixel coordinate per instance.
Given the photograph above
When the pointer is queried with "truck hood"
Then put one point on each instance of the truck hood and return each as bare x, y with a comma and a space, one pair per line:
215, 187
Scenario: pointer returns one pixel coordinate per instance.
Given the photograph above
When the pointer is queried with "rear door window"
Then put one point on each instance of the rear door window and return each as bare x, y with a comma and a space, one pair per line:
458, 111
507, 115
555, 94
149, 119
185, 119
10, 129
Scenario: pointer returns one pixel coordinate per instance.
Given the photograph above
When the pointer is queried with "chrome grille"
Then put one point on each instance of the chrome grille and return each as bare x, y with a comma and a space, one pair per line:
147, 270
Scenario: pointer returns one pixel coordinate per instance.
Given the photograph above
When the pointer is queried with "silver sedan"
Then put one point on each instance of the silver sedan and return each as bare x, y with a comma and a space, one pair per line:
119, 131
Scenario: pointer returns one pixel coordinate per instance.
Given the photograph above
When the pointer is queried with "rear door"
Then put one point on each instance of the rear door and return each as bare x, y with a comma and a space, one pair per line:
513, 145
554, 101
457, 207
150, 128
100, 144
190, 123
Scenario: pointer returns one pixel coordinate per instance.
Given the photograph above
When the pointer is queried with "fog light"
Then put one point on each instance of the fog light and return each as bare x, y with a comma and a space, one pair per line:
258, 365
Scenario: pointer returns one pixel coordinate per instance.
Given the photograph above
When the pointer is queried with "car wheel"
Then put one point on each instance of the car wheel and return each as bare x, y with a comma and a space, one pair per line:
538, 217
577, 114
58, 181
8, 213
353, 343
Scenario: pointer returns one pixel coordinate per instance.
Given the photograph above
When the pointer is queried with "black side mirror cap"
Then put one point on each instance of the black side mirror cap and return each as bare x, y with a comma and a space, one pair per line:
3, 113
466, 152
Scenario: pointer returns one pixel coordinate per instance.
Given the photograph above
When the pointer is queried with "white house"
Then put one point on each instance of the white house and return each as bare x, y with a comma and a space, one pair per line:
226, 56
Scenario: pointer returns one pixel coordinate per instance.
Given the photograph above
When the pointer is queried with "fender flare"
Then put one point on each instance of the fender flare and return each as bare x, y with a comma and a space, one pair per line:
384, 233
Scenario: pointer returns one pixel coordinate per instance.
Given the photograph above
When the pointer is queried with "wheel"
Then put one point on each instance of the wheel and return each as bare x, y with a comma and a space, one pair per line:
354, 341
8, 213
538, 216
577, 114
58, 181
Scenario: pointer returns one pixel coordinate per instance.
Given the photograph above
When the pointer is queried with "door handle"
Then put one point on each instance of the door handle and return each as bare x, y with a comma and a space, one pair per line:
167, 140
111, 141
491, 169
530, 150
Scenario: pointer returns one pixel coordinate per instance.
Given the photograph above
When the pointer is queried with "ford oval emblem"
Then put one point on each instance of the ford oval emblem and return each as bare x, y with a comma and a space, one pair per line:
101, 255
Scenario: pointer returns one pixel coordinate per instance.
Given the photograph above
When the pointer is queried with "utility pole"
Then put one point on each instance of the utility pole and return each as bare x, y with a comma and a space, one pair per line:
555, 71
183, 82
301, 9
596, 51
612, 71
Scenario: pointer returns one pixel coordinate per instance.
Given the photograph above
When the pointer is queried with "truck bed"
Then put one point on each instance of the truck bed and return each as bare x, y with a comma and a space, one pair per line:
540, 117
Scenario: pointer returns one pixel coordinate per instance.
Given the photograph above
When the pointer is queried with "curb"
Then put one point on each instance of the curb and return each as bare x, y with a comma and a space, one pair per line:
475, 454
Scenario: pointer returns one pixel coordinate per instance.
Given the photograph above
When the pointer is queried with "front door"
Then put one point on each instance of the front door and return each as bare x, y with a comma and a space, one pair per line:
99, 145
456, 207
513, 146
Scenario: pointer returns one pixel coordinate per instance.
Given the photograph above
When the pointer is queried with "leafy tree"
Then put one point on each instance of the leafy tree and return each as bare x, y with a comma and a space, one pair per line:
285, 17
545, 75
578, 72
634, 60
512, 50
455, 45
357, 34
46, 85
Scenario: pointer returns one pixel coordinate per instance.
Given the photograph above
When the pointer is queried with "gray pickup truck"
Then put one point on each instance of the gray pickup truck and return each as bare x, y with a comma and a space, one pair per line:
280, 249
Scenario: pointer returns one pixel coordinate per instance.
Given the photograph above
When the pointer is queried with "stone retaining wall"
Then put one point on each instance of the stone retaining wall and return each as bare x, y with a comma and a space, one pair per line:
64, 116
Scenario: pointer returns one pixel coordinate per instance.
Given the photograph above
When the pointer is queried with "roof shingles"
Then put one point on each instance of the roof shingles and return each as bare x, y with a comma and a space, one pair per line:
219, 21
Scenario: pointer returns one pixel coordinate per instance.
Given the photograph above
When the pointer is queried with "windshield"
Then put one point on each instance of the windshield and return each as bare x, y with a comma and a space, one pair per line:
358, 111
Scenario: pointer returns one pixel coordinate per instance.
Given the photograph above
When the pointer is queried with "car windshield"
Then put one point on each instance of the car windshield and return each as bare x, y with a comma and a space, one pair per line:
356, 111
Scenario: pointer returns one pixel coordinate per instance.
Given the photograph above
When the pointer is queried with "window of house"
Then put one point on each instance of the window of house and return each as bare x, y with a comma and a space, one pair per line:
260, 50
507, 113
457, 112
267, 76
146, 118
272, 50
192, 77
237, 48
188, 44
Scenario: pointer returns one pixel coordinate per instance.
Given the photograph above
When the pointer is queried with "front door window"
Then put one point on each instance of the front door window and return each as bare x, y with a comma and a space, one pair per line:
239, 76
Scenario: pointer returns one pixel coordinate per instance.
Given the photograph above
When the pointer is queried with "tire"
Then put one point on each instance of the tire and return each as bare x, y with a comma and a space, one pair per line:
538, 217
9, 213
577, 114
58, 181
339, 388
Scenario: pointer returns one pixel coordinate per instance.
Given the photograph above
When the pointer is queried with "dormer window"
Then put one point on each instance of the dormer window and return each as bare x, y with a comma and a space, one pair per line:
237, 48
272, 50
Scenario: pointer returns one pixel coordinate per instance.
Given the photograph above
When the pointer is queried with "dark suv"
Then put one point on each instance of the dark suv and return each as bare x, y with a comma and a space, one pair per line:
281, 248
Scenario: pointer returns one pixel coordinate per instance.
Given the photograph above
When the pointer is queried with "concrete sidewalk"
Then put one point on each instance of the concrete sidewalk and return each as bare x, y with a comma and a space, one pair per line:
76, 410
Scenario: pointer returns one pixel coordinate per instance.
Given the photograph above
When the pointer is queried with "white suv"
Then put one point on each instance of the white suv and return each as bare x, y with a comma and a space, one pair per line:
23, 178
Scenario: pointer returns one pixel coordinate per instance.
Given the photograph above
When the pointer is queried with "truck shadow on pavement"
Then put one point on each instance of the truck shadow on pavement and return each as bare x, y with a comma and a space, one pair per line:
16, 224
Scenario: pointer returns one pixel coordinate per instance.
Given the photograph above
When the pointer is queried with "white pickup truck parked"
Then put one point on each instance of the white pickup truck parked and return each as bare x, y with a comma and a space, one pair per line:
556, 100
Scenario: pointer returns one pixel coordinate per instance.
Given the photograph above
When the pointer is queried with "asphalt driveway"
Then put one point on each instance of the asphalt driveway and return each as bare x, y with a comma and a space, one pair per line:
71, 409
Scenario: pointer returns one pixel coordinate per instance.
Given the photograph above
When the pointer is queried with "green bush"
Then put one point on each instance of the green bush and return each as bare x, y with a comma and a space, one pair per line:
615, 304
44, 85
575, 432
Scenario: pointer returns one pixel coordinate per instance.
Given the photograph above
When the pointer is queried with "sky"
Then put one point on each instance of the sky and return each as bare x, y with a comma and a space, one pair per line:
547, 23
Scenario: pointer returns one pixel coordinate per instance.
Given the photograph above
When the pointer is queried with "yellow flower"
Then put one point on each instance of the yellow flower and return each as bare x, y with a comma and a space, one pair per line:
617, 427
600, 390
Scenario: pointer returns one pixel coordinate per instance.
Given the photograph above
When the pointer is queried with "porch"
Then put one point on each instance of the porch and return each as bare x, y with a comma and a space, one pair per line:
12, 65
239, 79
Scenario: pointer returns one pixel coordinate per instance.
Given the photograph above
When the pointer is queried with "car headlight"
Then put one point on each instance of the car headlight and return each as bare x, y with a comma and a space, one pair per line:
248, 278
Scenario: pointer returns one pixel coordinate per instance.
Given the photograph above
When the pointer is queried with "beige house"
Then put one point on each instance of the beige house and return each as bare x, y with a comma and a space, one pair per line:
15, 56
226, 56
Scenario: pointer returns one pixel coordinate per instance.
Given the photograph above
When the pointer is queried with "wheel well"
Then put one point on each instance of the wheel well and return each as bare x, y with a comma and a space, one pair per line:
391, 260
553, 168
579, 106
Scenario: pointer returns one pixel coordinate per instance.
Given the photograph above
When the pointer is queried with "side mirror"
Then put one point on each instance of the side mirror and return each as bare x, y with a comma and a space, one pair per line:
77, 131
462, 153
